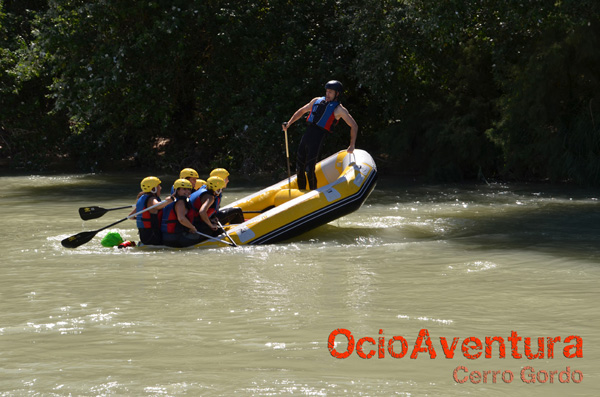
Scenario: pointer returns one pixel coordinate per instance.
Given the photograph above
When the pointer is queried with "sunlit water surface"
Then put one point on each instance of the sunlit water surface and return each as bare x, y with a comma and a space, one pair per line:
458, 261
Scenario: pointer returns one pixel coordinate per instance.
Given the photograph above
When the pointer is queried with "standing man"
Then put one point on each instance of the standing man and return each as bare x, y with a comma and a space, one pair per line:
324, 114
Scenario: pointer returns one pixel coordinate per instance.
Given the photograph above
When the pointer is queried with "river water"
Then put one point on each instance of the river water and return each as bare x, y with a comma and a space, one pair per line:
448, 263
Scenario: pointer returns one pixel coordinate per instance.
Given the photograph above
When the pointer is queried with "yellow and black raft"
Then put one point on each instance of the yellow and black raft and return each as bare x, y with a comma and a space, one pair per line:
281, 211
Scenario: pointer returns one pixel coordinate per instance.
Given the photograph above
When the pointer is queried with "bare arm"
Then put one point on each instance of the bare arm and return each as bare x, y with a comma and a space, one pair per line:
153, 202
180, 210
162, 205
299, 113
203, 211
342, 113
134, 210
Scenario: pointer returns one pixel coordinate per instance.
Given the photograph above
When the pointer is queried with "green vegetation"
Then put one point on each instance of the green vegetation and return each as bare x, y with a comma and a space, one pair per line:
445, 90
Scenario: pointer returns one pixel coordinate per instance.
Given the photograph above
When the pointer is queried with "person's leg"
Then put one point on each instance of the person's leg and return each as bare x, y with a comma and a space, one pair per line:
301, 163
171, 240
313, 150
230, 215
180, 240
150, 236
187, 239
205, 229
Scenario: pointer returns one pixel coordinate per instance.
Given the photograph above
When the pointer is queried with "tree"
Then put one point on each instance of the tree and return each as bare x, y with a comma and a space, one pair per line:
29, 134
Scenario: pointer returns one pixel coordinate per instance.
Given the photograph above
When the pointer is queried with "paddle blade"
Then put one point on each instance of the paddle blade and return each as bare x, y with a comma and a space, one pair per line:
87, 213
78, 239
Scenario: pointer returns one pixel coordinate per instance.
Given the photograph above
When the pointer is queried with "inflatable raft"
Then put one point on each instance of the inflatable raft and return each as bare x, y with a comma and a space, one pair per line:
281, 211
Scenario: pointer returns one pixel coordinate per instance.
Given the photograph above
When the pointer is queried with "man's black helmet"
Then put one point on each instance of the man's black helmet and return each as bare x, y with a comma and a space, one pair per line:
334, 85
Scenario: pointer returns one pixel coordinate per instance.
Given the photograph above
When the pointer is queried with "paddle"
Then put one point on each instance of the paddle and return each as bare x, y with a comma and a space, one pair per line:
215, 239
227, 234
83, 237
87, 213
287, 155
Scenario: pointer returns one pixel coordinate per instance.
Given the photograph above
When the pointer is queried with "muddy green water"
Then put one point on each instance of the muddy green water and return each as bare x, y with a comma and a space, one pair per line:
454, 261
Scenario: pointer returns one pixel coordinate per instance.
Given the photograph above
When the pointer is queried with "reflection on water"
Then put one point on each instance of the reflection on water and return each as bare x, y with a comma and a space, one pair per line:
459, 261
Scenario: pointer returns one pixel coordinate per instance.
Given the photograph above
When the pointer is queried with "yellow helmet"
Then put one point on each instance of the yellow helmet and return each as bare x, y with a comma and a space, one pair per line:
182, 183
199, 183
149, 183
188, 173
215, 183
220, 172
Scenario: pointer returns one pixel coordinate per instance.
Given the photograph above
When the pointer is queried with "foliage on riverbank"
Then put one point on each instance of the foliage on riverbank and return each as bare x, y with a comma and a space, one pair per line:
447, 90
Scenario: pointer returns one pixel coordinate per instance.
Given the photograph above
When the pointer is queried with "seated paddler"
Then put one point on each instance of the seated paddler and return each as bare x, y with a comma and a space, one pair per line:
230, 215
148, 223
177, 225
206, 201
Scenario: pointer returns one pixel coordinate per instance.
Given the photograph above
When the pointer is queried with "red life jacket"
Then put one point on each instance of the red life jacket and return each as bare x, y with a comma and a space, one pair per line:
170, 223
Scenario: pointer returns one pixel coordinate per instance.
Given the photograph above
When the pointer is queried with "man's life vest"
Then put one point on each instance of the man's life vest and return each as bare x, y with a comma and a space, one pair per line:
322, 114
